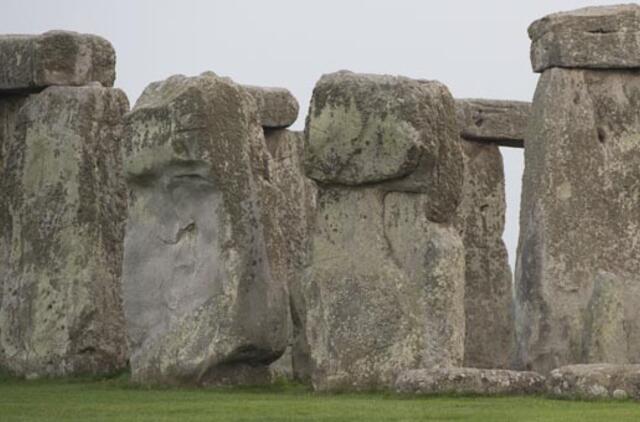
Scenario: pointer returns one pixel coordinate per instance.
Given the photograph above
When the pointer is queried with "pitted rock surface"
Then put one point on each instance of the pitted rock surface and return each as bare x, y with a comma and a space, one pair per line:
595, 381
602, 37
33, 62
469, 381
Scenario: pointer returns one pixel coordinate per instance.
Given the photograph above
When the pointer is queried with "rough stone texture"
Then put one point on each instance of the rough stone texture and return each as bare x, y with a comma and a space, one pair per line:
578, 251
383, 291
204, 293
469, 381
373, 128
277, 107
595, 381
294, 212
383, 288
604, 37
61, 231
497, 122
490, 325
33, 62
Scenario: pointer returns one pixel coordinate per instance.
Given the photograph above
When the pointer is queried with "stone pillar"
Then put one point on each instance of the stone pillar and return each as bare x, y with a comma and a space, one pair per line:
490, 324
383, 290
578, 264
62, 206
205, 268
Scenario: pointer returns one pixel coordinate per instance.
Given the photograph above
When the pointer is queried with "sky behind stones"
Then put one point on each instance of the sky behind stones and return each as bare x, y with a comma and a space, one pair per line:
477, 48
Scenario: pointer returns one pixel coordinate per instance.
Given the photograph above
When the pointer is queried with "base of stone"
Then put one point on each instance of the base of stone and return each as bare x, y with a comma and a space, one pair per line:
469, 381
595, 381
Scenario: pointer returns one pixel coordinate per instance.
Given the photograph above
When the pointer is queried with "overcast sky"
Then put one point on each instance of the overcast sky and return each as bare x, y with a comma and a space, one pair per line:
477, 48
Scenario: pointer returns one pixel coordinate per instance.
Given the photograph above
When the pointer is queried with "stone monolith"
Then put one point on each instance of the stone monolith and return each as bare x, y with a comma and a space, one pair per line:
383, 290
577, 282
205, 296
61, 231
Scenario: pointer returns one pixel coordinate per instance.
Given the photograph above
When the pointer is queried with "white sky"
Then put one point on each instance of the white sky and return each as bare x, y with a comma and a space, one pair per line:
477, 48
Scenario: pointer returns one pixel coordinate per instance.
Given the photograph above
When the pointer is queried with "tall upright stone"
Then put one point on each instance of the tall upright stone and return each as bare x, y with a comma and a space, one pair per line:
383, 289
490, 324
205, 294
578, 265
61, 231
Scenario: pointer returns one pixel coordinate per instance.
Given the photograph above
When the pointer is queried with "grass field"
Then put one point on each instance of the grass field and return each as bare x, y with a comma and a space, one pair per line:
116, 400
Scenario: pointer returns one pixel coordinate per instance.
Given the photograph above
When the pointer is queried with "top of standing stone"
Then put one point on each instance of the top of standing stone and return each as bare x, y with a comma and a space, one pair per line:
365, 128
604, 37
34, 62
277, 107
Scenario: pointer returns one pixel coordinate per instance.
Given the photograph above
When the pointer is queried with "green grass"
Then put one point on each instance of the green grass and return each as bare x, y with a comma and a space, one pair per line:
116, 400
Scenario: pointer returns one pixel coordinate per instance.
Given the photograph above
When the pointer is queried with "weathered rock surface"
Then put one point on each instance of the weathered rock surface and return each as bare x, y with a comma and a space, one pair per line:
383, 290
33, 62
61, 231
490, 325
378, 128
603, 37
205, 298
595, 381
577, 272
294, 212
277, 107
498, 122
469, 381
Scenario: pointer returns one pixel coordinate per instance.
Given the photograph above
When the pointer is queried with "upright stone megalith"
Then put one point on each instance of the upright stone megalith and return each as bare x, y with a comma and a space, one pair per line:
383, 289
62, 225
204, 301
490, 324
578, 265
62, 206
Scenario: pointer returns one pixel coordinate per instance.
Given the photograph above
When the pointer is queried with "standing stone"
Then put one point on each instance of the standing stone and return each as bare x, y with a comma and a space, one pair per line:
578, 250
61, 231
33, 62
204, 301
383, 290
603, 37
490, 325
294, 212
